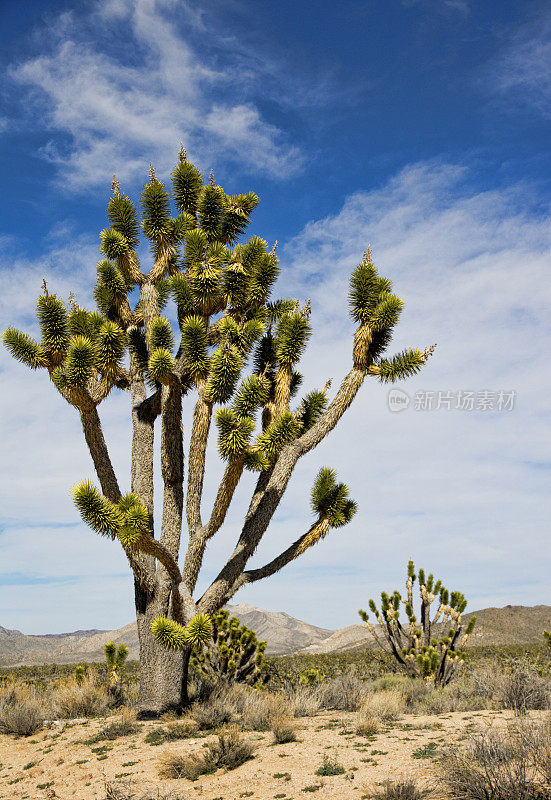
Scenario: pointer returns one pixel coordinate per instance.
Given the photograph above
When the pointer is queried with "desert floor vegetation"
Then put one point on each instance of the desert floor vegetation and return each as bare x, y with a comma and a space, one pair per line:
345, 734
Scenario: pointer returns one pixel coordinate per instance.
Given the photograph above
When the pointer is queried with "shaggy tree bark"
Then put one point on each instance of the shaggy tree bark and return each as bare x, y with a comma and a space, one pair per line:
221, 286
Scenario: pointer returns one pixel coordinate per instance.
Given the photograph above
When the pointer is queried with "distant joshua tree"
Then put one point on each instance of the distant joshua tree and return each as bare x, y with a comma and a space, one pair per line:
413, 645
221, 286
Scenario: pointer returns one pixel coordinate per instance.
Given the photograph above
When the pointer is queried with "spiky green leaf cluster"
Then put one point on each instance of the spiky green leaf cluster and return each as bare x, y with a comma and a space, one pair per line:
161, 364
173, 636
24, 348
161, 334
313, 406
52, 317
109, 345
284, 429
234, 433
123, 216
291, 337
187, 182
330, 500
128, 520
157, 221
169, 634
79, 363
403, 365
251, 394
113, 243
195, 346
98, 512
225, 366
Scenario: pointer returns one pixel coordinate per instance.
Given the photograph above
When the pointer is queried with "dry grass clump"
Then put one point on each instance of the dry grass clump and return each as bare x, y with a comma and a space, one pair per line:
126, 790
344, 693
259, 709
182, 765
22, 711
385, 706
228, 750
367, 725
522, 689
305, 701
218, 710
89, 698
124, 726
401, 789
284, 730
511, 764
457, 696
185, 729
519, 687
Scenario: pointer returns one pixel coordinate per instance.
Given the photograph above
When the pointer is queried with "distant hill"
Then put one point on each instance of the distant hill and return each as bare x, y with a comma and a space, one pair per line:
284, 634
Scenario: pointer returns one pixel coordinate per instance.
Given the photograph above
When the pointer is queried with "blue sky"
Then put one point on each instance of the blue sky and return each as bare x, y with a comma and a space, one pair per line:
419, 127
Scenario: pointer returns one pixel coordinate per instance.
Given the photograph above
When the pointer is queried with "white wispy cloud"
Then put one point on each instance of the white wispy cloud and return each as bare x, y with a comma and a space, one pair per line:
464, 493
124, 83
522, 71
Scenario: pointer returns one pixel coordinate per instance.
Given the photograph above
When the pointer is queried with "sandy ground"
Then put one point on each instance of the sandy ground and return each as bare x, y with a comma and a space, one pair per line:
56, 763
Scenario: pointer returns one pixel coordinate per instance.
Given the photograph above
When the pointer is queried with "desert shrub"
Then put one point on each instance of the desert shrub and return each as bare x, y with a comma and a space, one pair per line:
176, 730
216, 711
22, 712
284, 730
230, 749
498, 765
305, 701
385, 706
330, 766
520, 688
343, 693
367, 725
125, 790
183, 765
117, 729
85, 699
453, 697
311, 677
183, 729
259, 709
536, 740
401, 789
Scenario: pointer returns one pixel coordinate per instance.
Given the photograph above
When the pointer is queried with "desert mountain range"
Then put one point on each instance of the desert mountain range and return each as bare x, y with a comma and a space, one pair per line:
284, 634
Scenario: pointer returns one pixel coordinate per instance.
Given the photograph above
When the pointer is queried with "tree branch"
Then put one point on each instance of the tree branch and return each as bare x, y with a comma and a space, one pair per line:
196, 468
316, 532
197, 543
259, 516
95, 440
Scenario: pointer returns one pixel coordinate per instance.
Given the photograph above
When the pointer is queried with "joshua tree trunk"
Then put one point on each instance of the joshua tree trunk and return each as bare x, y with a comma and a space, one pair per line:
161, 670
221, 287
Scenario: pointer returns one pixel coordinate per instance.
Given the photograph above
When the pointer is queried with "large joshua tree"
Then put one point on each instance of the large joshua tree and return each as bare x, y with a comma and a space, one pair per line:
227, 326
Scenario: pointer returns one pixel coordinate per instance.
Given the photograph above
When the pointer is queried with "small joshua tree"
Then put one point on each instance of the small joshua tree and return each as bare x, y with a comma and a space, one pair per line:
547, 638
115, 658
80, 674
233, 654
412, 644
227, 326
